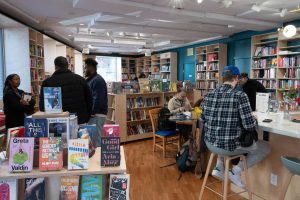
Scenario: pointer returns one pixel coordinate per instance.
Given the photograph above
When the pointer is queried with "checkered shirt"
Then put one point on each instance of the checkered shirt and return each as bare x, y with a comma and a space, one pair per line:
225, 112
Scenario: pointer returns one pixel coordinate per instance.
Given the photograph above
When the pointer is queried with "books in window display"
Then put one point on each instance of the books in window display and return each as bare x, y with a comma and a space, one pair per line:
50, 154
34, 189
78, 154
36, 128
8, 189
69, 188
52, 99
91, 187
119, 186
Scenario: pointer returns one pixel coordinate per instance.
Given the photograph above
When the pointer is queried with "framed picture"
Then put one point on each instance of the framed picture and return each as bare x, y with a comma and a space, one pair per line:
190, 52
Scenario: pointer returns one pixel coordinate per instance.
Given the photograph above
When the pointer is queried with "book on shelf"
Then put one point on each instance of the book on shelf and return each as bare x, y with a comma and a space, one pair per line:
35, 188
110, 151
154, 85
50, 154
11, 133
119, 186
32, 49
111, 130
144, 85
85, 134
173, 87
287, 84
59, 127
69, 187
91, 129
114, 87
165, 86
165, 68
292, 73
265, 51
21, 154
36, 128
291, 61
212, 57
52, 99
213, 66
78, 154
91, 187
8, 188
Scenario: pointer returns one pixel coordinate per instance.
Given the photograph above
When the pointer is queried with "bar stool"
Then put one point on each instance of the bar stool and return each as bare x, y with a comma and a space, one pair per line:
228, 156
293, 165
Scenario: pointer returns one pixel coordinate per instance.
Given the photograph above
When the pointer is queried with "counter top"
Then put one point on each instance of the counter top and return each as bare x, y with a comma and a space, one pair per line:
278, 125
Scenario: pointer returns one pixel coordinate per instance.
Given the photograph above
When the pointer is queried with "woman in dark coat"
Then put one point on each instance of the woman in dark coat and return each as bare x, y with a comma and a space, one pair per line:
15, 107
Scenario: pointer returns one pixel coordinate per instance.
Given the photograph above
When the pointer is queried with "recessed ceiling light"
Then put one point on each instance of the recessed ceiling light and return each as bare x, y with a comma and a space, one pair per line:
81, 24
230, 26
199, 1
70, 35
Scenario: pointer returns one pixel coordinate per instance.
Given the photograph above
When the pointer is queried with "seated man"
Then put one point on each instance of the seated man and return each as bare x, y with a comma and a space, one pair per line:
225, 112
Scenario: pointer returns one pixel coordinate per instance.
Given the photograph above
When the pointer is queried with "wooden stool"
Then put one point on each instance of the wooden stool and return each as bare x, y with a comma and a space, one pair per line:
227, 158
293, 165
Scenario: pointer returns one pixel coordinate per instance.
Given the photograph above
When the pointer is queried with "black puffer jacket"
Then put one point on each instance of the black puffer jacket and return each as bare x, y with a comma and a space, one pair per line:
76, 94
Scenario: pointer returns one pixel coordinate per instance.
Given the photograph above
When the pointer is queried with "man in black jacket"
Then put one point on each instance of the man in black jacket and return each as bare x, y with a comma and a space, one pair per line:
99, 93
250, 87
76, 94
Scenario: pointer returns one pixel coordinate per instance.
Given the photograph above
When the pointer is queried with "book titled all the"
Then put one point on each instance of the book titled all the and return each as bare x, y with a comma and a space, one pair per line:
36, 128
35, 189
91, 187
52, 99
8, 189
78, 154
69, 188
50, 154
119, 186
21, 154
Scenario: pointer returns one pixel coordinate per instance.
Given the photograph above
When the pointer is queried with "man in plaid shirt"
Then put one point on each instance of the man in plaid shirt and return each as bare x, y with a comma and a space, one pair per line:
225, 112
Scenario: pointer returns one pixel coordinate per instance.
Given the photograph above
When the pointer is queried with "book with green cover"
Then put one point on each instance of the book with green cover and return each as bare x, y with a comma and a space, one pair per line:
165, 86
155, 85
91, 187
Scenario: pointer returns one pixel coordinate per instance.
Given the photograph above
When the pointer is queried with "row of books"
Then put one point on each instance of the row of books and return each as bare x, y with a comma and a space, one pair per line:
141, 102
166, 76
36, 75
212, 84
36, 50
212, 75
139, 129
292, 73
201, 67
165, 68
265, 51
128, 76
201, 75
213, 66
287, 84
200, 85
35, 89
71, 187
268, 84
292, 61
265, 63
137, 115
36, 63
265, 73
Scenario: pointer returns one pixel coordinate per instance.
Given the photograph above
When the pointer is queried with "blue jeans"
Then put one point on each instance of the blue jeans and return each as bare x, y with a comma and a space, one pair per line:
99, 121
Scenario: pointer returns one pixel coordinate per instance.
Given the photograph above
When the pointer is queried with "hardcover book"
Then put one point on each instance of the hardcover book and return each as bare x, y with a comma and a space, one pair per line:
8, 189
11, 133
36, 128
110, 151
52, 100
91, 187
119, 186
59, 127
91, 129
50, 154
111, 130
34, 189
21, 154
69, 188
154, 84
78, 154
144, 85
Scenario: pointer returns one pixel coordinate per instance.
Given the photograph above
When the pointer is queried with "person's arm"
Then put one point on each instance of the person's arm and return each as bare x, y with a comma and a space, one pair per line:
248, 120
41, 98
88, 98
172, 108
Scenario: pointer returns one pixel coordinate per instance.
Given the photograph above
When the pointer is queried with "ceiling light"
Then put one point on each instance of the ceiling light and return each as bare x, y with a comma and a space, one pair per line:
122, 34
227, 3
176, 4
70, 35
129, 42
81, 24
93, 40
199, 1
256, 8
289, 31
109, 33
283, 12
230, 26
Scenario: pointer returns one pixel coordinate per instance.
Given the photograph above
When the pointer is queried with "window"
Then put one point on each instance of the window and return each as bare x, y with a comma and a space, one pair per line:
109, 68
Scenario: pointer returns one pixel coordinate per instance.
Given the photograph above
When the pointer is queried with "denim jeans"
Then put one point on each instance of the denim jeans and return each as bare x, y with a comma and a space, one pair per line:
99, 121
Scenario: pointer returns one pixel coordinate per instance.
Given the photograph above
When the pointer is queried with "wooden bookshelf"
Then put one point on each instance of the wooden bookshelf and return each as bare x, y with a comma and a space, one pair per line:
168, 67
129, 69
131, 112
210, 61
37, 63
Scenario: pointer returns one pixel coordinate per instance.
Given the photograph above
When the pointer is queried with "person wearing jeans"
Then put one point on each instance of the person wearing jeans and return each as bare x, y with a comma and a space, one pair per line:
99, 95
225, 112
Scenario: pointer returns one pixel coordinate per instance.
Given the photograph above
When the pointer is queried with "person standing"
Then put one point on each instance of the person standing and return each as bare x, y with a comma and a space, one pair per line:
99, 93
251, 87
15, 107
76, 94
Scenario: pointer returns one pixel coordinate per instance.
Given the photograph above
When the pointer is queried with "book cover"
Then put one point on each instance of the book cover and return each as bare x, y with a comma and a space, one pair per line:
110, 151
144, 85
111, 130
8, 189
165, 86
34, 189
11, 133
91, 187
50, 154
119, 186
154, 84
91, 129
69, 188
73, 127
21, 154
36, 128
78, 154
52, 100
59, 127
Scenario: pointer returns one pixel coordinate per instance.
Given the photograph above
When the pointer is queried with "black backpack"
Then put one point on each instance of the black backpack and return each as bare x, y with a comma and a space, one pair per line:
164, 123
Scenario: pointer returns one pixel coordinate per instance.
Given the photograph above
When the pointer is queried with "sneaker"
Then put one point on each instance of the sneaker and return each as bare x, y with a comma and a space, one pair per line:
236, 179
218, 173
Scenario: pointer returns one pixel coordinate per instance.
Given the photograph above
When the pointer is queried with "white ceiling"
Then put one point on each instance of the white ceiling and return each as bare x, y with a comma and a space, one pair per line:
134, 25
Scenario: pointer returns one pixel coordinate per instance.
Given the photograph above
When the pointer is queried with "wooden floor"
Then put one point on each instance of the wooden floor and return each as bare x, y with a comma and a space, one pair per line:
150, 182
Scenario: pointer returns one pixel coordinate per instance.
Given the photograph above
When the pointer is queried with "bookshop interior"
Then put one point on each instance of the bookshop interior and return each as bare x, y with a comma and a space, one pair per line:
149, 100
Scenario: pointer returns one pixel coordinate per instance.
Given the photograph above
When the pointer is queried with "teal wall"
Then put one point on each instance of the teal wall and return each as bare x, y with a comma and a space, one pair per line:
238, 52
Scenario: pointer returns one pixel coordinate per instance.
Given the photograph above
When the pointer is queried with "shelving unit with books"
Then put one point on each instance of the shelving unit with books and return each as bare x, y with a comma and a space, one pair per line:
168, 67
129, 68
147, 65
210, 61
155, 67
37, 63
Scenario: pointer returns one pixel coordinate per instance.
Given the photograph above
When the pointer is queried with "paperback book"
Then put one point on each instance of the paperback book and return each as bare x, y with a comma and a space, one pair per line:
119, 187
52, 99
69, 188
11, 133
91, 129
110, 151
111, 130
36, 128
91, 187
8, 189
34, 189
78, 154
154, 84
144, 85
59, 127
50, 154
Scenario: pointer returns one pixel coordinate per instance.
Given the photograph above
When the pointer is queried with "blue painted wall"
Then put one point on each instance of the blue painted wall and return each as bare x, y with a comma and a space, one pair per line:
238, 52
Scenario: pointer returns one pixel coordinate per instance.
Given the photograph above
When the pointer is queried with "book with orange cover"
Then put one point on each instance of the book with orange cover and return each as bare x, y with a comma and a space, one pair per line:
69, 187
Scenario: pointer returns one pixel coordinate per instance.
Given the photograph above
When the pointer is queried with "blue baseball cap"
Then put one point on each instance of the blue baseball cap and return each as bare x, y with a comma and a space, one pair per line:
230, 70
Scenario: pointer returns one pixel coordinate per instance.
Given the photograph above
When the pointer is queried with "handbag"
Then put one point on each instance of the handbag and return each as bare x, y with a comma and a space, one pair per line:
248, 137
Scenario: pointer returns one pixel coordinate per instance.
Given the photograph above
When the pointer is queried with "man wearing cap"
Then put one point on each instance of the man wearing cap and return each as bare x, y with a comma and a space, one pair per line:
226, 111
250, 87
